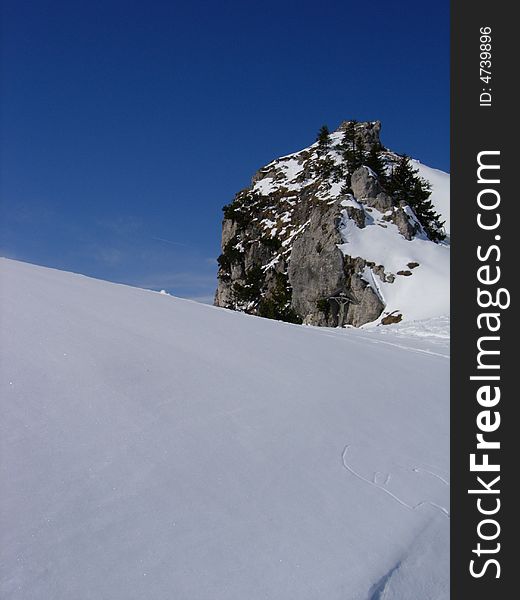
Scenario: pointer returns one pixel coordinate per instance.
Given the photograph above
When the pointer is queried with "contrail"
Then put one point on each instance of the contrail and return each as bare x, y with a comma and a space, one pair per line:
159, 239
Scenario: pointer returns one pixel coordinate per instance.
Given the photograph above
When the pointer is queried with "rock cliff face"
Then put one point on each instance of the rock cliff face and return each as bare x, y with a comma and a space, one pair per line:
311, 242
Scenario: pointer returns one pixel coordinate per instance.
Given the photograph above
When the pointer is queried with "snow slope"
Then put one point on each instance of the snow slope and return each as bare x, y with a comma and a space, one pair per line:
155, 448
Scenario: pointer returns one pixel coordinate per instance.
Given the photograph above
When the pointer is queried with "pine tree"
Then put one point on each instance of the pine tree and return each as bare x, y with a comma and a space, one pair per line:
326, 168
348, 143
352, 147
354, 157
374, 161
323, 139
358, 154
349, 136
406, 187
425, 211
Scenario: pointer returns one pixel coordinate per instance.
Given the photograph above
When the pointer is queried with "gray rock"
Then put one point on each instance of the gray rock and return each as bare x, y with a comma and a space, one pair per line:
365, 185
406, 228
328, 277
383, 202
357, 215
368, 131
370, 304
367, 189
316, 263
229, 230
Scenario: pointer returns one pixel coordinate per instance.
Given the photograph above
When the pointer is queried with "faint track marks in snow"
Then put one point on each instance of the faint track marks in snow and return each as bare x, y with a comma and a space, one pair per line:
421, 470
381, 486
410, 348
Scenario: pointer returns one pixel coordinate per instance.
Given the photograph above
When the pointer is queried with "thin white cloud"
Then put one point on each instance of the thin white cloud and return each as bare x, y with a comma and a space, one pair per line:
122, 225
172, 242
108, 256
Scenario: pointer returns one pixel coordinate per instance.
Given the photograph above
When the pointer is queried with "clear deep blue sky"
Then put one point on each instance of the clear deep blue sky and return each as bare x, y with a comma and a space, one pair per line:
127, 125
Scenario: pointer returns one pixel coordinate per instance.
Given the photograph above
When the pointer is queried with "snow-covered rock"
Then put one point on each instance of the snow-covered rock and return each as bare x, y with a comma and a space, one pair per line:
311, 242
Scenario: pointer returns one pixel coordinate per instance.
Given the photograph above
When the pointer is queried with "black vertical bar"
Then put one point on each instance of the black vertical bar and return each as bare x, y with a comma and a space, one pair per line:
483, 119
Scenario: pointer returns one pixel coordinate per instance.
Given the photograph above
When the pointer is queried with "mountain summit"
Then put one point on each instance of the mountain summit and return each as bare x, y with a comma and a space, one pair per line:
344, 232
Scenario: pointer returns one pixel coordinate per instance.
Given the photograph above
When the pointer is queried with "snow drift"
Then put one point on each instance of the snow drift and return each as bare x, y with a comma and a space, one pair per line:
152, 447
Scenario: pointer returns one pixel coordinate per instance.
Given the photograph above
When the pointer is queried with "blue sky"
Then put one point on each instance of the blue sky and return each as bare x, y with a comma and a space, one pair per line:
126, 125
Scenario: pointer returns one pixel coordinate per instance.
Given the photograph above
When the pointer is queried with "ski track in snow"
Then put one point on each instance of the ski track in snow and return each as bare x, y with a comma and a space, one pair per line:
409, 348
382, 487
420, 470
387, 343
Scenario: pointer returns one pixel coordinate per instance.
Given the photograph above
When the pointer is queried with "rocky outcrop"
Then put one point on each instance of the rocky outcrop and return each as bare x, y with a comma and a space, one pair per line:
367, 189
327, 287
368, 132
316, 269
287, 240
